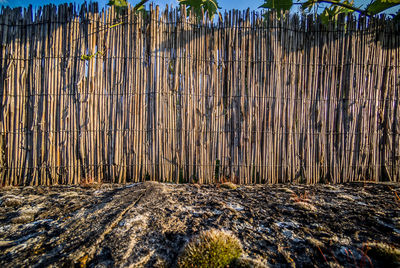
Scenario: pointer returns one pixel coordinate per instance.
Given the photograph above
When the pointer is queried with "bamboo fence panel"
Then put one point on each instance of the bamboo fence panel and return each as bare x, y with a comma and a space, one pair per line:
167, 96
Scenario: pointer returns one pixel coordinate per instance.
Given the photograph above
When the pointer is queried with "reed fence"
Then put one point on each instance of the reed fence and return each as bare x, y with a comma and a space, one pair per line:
165, 96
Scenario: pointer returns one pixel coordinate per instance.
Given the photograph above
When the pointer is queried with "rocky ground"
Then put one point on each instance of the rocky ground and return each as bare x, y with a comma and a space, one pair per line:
147, 224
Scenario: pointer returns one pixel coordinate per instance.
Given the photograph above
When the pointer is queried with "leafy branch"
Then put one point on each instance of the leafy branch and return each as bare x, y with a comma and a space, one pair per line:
349, 6
335, 7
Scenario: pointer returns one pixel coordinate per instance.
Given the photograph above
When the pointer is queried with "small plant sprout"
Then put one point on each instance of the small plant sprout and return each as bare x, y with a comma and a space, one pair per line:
303, 201
300, 198
89, 57
89, 182
396, 196
212, 248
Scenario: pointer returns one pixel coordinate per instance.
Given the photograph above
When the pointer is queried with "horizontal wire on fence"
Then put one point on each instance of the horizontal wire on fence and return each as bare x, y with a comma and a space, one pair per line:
182, 165
83, 94
198, 131
219, 62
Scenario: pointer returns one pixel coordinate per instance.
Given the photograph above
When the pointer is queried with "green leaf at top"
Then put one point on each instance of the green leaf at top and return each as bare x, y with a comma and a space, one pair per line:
197, 6
119, 5
378, 6
330, 14
278, 5
325, 17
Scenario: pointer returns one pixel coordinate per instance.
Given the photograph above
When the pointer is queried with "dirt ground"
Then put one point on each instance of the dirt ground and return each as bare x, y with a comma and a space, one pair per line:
147, 224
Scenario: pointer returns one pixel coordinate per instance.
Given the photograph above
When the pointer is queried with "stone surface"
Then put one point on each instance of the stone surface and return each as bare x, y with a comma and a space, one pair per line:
147, 224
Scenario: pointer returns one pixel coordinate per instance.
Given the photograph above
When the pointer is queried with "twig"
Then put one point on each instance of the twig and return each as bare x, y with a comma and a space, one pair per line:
322, 253
337, 3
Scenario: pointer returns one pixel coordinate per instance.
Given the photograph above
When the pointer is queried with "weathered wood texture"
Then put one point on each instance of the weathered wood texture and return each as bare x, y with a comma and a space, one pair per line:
168, 97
